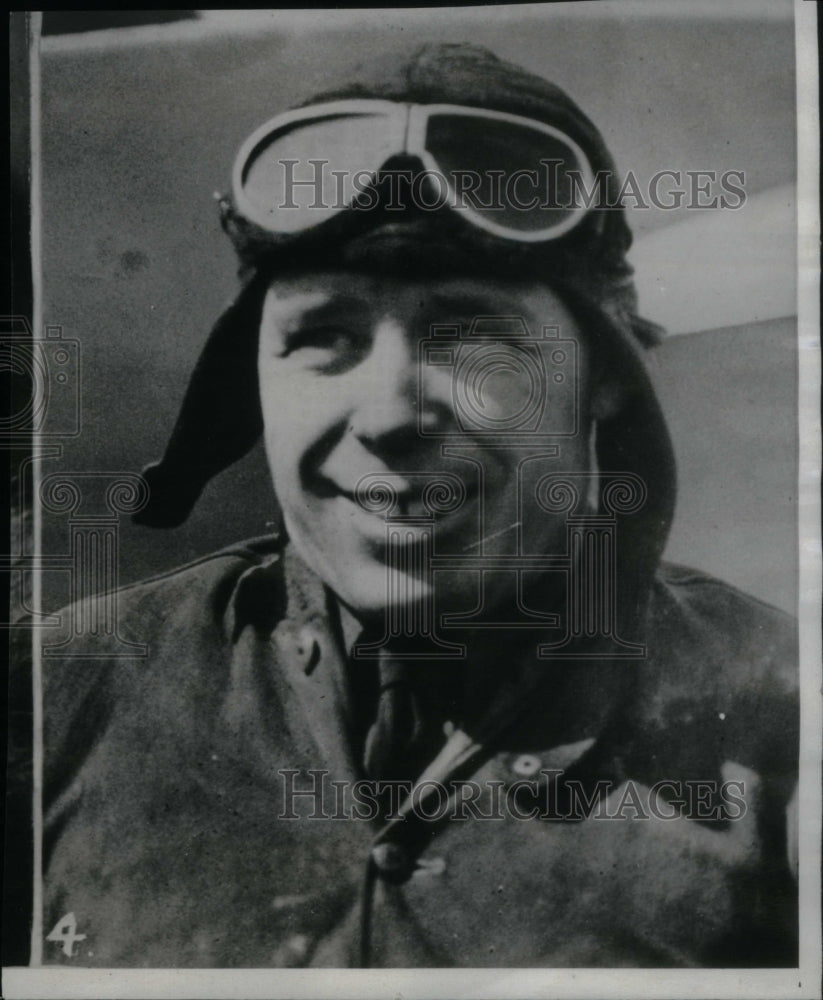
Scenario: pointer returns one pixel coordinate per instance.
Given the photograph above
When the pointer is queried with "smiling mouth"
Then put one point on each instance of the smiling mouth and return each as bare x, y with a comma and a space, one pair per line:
408, 504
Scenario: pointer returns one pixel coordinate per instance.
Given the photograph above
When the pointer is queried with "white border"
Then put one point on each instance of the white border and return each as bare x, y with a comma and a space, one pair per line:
809, 500
408, 984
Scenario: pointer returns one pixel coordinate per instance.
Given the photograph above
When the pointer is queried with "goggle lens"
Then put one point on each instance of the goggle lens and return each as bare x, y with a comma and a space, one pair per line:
299, 176
523, 176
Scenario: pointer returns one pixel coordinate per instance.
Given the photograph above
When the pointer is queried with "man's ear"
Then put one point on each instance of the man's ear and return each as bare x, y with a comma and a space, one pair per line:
607, 399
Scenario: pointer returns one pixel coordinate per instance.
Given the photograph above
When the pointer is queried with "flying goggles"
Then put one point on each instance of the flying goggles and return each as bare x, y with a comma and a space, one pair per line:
515, 177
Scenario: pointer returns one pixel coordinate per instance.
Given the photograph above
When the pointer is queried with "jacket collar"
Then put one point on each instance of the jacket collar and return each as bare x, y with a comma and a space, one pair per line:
539, 705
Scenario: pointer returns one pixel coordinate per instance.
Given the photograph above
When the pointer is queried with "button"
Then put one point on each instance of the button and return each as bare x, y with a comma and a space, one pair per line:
293, 952
526, 765
289, 902
308, 650
392, 862
430, 866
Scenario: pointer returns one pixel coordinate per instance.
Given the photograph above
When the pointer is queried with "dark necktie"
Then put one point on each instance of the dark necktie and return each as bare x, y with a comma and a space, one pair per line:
414, 700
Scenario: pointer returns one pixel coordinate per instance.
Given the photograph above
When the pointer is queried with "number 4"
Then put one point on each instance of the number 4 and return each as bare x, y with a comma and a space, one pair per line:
65, 933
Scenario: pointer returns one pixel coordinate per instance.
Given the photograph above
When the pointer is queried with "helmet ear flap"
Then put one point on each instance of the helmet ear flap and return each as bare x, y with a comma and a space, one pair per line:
607, 400
220, 418
633, 438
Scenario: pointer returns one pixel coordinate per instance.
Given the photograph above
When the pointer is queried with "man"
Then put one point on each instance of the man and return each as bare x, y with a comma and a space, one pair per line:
456, 712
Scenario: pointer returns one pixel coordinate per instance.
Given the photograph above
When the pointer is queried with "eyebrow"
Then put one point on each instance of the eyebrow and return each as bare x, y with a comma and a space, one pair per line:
329, 306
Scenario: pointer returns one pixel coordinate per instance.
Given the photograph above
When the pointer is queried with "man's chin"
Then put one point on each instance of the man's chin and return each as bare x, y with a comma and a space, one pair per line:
403, 592
380, 596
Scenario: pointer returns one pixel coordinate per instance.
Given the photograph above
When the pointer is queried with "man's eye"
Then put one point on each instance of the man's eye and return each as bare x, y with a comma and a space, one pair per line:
320, 337
326, 347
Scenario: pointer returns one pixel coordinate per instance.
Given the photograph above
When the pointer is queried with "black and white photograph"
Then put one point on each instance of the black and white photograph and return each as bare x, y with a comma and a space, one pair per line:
414, 565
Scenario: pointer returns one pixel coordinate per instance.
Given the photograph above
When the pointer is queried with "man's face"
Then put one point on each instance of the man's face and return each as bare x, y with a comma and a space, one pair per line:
349, 390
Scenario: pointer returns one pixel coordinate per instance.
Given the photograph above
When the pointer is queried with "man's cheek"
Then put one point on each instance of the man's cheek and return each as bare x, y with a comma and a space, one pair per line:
282, 468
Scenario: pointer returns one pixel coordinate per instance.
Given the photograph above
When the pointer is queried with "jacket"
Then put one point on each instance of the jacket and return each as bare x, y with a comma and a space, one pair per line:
199, 807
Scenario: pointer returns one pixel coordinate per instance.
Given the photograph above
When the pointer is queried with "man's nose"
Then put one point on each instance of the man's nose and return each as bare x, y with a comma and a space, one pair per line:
386, 393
